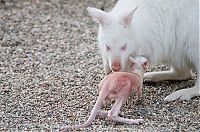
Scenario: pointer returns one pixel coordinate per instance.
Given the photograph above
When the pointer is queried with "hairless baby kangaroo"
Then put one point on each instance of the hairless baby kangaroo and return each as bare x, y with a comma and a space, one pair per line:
119, 86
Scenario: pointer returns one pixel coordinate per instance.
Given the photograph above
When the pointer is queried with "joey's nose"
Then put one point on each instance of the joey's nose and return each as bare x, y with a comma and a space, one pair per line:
116, 66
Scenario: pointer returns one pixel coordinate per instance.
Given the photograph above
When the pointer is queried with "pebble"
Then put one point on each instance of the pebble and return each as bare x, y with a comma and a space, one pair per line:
50, 68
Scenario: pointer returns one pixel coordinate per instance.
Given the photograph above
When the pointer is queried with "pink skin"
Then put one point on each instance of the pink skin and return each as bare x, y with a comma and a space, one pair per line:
121, 87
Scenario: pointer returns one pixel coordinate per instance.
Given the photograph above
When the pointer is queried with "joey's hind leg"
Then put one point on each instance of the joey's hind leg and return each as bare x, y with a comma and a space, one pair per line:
113, 114
172, 74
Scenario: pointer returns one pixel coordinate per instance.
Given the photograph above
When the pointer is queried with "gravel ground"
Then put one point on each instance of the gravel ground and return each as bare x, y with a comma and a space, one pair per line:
50, 68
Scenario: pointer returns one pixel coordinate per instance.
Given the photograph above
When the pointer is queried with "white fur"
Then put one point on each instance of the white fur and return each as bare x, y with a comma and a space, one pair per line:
167, 31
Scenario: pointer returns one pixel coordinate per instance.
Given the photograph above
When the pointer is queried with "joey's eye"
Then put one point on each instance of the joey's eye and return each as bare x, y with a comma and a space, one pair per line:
107, 48
133, 66
124, 47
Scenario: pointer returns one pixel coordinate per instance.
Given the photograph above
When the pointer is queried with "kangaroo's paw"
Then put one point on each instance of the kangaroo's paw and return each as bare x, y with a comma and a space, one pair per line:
184, 94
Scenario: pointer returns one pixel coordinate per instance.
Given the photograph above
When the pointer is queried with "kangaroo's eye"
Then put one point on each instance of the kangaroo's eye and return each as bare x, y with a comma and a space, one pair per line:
107, 48
124, 47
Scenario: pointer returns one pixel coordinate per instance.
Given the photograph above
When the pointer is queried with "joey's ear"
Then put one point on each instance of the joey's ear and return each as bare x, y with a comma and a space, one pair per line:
144, 63
102, 17
132, 63
128, 18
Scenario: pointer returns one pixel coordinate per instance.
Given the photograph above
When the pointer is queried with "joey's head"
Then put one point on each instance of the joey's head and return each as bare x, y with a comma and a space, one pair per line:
138, 64
114, 37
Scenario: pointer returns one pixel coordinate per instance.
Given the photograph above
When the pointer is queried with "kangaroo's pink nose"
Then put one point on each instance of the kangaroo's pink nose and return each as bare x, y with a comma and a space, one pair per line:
116, 66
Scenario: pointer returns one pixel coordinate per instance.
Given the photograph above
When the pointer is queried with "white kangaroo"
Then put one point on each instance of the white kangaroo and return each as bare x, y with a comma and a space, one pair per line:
165, 31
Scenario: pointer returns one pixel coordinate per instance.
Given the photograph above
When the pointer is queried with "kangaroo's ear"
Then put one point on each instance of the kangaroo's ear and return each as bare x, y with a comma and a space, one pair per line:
102, 17
132, 63
128, 18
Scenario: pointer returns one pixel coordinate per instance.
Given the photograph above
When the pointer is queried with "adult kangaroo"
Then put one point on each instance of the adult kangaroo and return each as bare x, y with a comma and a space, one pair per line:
165, 31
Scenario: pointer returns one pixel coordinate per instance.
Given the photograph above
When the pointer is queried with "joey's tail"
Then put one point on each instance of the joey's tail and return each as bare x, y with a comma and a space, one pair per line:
92, 116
